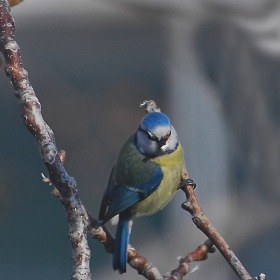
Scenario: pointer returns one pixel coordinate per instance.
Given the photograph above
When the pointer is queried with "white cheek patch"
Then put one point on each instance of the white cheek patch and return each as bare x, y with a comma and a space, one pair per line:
161, 131
172, 142
165, 147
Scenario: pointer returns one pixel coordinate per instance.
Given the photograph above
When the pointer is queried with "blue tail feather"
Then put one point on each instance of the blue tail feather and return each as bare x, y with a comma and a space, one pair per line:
121, 244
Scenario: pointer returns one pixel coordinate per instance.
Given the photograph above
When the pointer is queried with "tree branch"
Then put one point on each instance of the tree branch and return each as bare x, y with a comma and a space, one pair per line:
141, 264
202, 222
44, 136
200, 254
103, 235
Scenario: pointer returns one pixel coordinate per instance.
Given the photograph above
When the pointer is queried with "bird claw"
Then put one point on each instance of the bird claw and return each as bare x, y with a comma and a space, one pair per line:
187, 182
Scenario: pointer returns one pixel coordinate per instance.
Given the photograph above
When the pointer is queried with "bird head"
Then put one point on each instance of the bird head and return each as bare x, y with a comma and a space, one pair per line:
155, 135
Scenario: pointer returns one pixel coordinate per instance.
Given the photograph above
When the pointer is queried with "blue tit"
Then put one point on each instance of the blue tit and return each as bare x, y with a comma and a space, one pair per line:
144, 179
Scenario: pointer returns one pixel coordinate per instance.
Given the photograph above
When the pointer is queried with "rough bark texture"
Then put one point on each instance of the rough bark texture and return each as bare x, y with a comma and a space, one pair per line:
44, 136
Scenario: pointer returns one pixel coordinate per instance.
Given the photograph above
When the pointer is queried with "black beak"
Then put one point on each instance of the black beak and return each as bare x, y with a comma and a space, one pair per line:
163, 140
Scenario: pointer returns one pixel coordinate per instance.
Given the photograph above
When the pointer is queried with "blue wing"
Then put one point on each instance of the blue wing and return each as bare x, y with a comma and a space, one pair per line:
122, 197
133, 178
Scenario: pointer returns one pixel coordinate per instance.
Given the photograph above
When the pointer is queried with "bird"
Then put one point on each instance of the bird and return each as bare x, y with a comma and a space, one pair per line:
144, 178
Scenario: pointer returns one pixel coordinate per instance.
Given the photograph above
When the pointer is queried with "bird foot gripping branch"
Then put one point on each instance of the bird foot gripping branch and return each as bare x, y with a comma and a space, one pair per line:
186, 182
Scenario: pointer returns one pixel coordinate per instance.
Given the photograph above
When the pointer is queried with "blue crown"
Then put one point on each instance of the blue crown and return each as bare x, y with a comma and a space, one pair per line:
155, 119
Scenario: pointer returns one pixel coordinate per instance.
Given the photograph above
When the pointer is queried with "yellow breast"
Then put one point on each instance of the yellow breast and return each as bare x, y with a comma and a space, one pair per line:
172, 166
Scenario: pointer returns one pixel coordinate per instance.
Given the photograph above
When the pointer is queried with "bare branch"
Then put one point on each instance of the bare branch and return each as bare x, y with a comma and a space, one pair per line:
200, 254
141, 264
202, 222
44, 136
103, 235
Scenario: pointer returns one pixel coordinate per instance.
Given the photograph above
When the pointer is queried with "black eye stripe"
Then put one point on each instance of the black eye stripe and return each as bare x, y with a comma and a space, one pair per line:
152, 137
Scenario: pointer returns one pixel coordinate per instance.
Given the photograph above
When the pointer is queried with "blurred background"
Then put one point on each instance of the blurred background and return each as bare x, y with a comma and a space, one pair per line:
213, 66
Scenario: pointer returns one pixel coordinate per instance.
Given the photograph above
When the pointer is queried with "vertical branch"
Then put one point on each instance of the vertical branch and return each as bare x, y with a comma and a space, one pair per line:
44, 136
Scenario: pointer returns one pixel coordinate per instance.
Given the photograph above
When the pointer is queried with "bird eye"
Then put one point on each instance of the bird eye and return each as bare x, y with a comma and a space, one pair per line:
167, 136
152, 137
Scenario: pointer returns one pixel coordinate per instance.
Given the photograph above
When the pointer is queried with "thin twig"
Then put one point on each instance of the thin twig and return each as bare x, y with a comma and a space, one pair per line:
200, 254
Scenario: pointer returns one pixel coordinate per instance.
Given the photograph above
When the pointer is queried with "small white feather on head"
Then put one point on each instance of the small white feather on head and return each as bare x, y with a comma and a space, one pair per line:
150, 106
